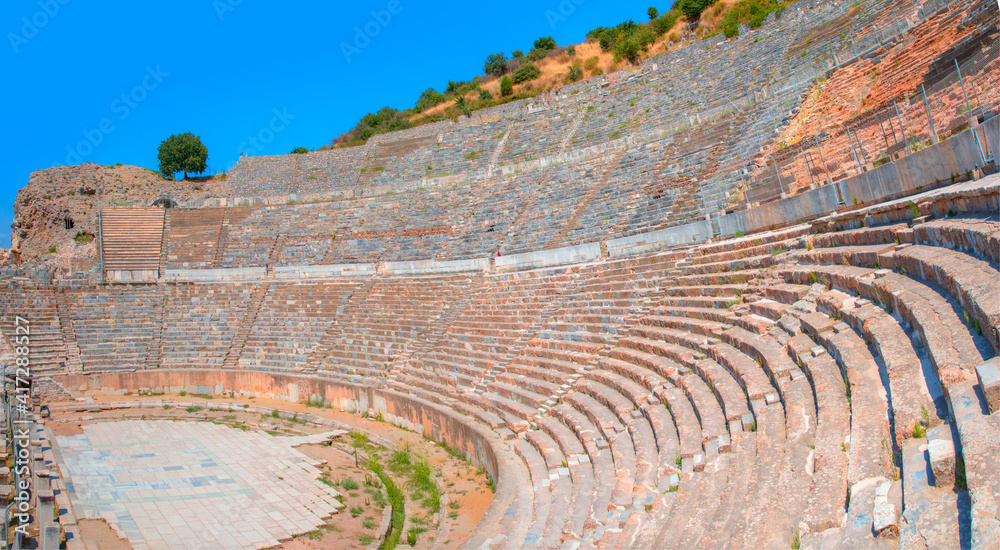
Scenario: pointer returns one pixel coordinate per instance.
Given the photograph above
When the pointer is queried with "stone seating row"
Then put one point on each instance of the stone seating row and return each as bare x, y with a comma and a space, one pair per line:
379, 323
291, 321
713, 369
200, 323
40, 327
537, 132
928, 381
319, 173
115, 328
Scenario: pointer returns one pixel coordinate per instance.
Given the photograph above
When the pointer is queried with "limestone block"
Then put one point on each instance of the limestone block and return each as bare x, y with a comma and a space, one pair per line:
942, 455
989, 383
884, 522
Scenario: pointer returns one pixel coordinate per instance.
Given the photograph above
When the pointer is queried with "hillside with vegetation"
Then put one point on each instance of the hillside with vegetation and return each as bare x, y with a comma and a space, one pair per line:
547, 66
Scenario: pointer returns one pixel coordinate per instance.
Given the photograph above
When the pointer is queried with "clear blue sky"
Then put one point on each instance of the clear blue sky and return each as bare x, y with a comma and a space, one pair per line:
130, 74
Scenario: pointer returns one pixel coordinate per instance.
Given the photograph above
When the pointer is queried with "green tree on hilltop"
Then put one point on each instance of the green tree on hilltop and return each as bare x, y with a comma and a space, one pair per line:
182, 153
545, 43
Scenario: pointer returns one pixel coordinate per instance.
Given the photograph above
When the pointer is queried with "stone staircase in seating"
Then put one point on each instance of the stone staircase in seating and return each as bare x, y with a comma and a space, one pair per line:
155, 354
73, 362
131, 238
249, 318
584, 203
222, 242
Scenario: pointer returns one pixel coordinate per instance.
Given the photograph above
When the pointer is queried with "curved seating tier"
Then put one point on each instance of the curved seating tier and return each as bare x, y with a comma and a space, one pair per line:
731, 394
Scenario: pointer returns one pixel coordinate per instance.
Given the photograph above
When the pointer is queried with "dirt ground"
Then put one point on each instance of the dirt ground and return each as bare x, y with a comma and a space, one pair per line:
465, 495
97, 533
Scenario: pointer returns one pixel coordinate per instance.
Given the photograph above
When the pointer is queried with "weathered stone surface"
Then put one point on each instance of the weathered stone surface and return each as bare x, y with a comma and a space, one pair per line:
884, 522
988, 375
942, 459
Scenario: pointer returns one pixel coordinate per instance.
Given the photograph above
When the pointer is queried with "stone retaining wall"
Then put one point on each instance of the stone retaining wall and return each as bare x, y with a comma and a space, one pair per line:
228, 274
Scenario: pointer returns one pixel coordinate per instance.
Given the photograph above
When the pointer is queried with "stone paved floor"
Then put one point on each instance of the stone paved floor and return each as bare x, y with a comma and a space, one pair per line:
189, 485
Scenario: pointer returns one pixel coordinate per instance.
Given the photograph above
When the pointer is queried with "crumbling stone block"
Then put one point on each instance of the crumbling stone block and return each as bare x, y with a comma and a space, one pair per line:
989, 383
884, 522
942, 455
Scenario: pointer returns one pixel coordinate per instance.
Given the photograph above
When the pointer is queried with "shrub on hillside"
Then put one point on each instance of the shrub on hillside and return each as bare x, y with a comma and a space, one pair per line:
483, 94
506, 86
536, 54
526, 72
571, 49
626, 40
517, 54
385, 120
299, 151
454, 86
653, 13
607, 37
663, 24
692, 8
496, 64
462, 105
429, 98
628, 49
749, 12
575, 73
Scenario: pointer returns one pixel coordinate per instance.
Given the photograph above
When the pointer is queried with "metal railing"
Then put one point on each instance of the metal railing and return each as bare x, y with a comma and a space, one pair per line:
950, 97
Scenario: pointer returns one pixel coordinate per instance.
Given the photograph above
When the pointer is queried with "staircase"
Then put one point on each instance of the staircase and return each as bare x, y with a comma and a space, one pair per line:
437, 332
73, 362
332, 337
495, 157
275, 250
155, 349
551, 308
222, 242
132, 238
584, 202
572, 131
249, 318
165, 240
42, 324
516, 226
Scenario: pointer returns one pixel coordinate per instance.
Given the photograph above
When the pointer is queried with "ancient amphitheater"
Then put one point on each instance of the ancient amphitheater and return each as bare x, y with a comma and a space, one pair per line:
720, 300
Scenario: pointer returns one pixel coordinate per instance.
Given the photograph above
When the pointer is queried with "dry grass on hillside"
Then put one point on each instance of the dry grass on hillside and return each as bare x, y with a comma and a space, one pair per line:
556, 66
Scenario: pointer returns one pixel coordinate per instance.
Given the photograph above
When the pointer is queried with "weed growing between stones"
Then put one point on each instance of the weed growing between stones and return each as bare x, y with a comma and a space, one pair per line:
960, 482
396, 501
